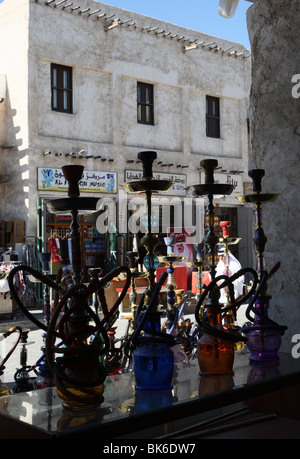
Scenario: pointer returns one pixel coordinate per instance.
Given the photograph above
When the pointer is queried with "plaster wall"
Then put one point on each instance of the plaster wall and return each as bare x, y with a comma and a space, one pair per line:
106, 66
275, 141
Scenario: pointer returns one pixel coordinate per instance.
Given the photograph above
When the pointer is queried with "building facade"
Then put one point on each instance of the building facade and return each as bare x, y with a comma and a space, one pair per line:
92, 84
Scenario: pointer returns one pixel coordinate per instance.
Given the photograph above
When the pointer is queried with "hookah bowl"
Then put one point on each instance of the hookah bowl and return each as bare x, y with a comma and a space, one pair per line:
215, 351
264, 335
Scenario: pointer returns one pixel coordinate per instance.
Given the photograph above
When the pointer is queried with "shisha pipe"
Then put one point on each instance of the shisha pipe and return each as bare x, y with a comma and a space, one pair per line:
172, 309
226, 241
148, 185
264, 336
215, 348
79, 376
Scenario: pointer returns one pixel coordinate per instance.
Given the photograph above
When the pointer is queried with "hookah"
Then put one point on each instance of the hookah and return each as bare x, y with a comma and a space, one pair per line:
79, 374
264, 335
215, 347
153, 360
171, 324
135, 274
21, 376
226, 240
45, 376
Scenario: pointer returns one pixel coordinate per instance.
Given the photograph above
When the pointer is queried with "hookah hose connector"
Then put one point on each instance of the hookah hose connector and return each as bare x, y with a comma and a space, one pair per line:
5, 335
204, 325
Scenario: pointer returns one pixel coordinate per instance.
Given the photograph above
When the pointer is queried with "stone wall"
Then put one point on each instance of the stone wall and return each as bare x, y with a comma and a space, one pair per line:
275, 145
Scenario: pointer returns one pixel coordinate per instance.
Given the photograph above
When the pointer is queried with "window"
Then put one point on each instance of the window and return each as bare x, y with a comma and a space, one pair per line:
145, 104
61, 88
212, 117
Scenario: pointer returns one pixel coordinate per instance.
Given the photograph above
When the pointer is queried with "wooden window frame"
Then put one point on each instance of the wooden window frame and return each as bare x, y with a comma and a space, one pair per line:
213, 117
145, 105
61, 88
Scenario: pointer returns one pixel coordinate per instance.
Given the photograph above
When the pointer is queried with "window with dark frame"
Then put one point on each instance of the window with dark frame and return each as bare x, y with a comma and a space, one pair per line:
61, 88
145, 103
213, 117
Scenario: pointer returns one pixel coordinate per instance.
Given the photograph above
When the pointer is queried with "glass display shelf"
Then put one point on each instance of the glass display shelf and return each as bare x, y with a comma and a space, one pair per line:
39, 413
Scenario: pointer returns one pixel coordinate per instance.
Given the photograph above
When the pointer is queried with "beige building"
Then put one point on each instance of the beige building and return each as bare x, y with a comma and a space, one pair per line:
94, 85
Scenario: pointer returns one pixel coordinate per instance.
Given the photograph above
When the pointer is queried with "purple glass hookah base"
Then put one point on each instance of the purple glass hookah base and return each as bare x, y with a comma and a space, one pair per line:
264, 336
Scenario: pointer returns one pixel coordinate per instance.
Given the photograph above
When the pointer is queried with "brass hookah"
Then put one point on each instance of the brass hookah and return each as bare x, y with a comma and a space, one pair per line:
135, 274
215, 348
226, 240
174, 295
198, 263
264, 335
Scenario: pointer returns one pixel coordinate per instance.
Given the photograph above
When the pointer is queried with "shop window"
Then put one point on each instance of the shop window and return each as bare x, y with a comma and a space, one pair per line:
213, 117
61, 88
145, 103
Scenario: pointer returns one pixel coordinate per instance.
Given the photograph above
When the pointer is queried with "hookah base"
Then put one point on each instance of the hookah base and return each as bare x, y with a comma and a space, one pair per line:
153, 365
215, 356
264, 345
264, 357
79, 400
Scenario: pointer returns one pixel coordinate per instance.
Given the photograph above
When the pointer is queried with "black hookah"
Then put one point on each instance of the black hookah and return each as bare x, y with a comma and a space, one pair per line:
263, 333
215, 345
79, 374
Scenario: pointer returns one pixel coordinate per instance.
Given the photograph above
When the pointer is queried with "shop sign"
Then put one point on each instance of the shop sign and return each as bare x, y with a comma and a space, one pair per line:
229, 179
51, 179
178, 189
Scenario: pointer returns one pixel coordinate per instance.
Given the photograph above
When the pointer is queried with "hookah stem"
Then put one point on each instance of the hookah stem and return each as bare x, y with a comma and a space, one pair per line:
76, 249
157, 287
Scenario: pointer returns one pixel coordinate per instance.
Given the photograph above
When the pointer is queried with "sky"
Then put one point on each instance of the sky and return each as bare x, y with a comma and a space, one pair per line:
201, 15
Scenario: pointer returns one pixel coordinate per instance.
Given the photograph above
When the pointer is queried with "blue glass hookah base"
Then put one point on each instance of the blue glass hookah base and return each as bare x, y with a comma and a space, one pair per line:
153, 364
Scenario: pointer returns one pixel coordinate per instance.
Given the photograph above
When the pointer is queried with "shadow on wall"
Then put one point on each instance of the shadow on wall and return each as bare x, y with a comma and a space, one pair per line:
13, 165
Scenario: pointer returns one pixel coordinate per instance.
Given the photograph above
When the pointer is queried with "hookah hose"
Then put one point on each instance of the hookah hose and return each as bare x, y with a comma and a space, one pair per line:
5, 335
178, 311
44, 279
270, 324
159, 336
204, 325
82, 357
